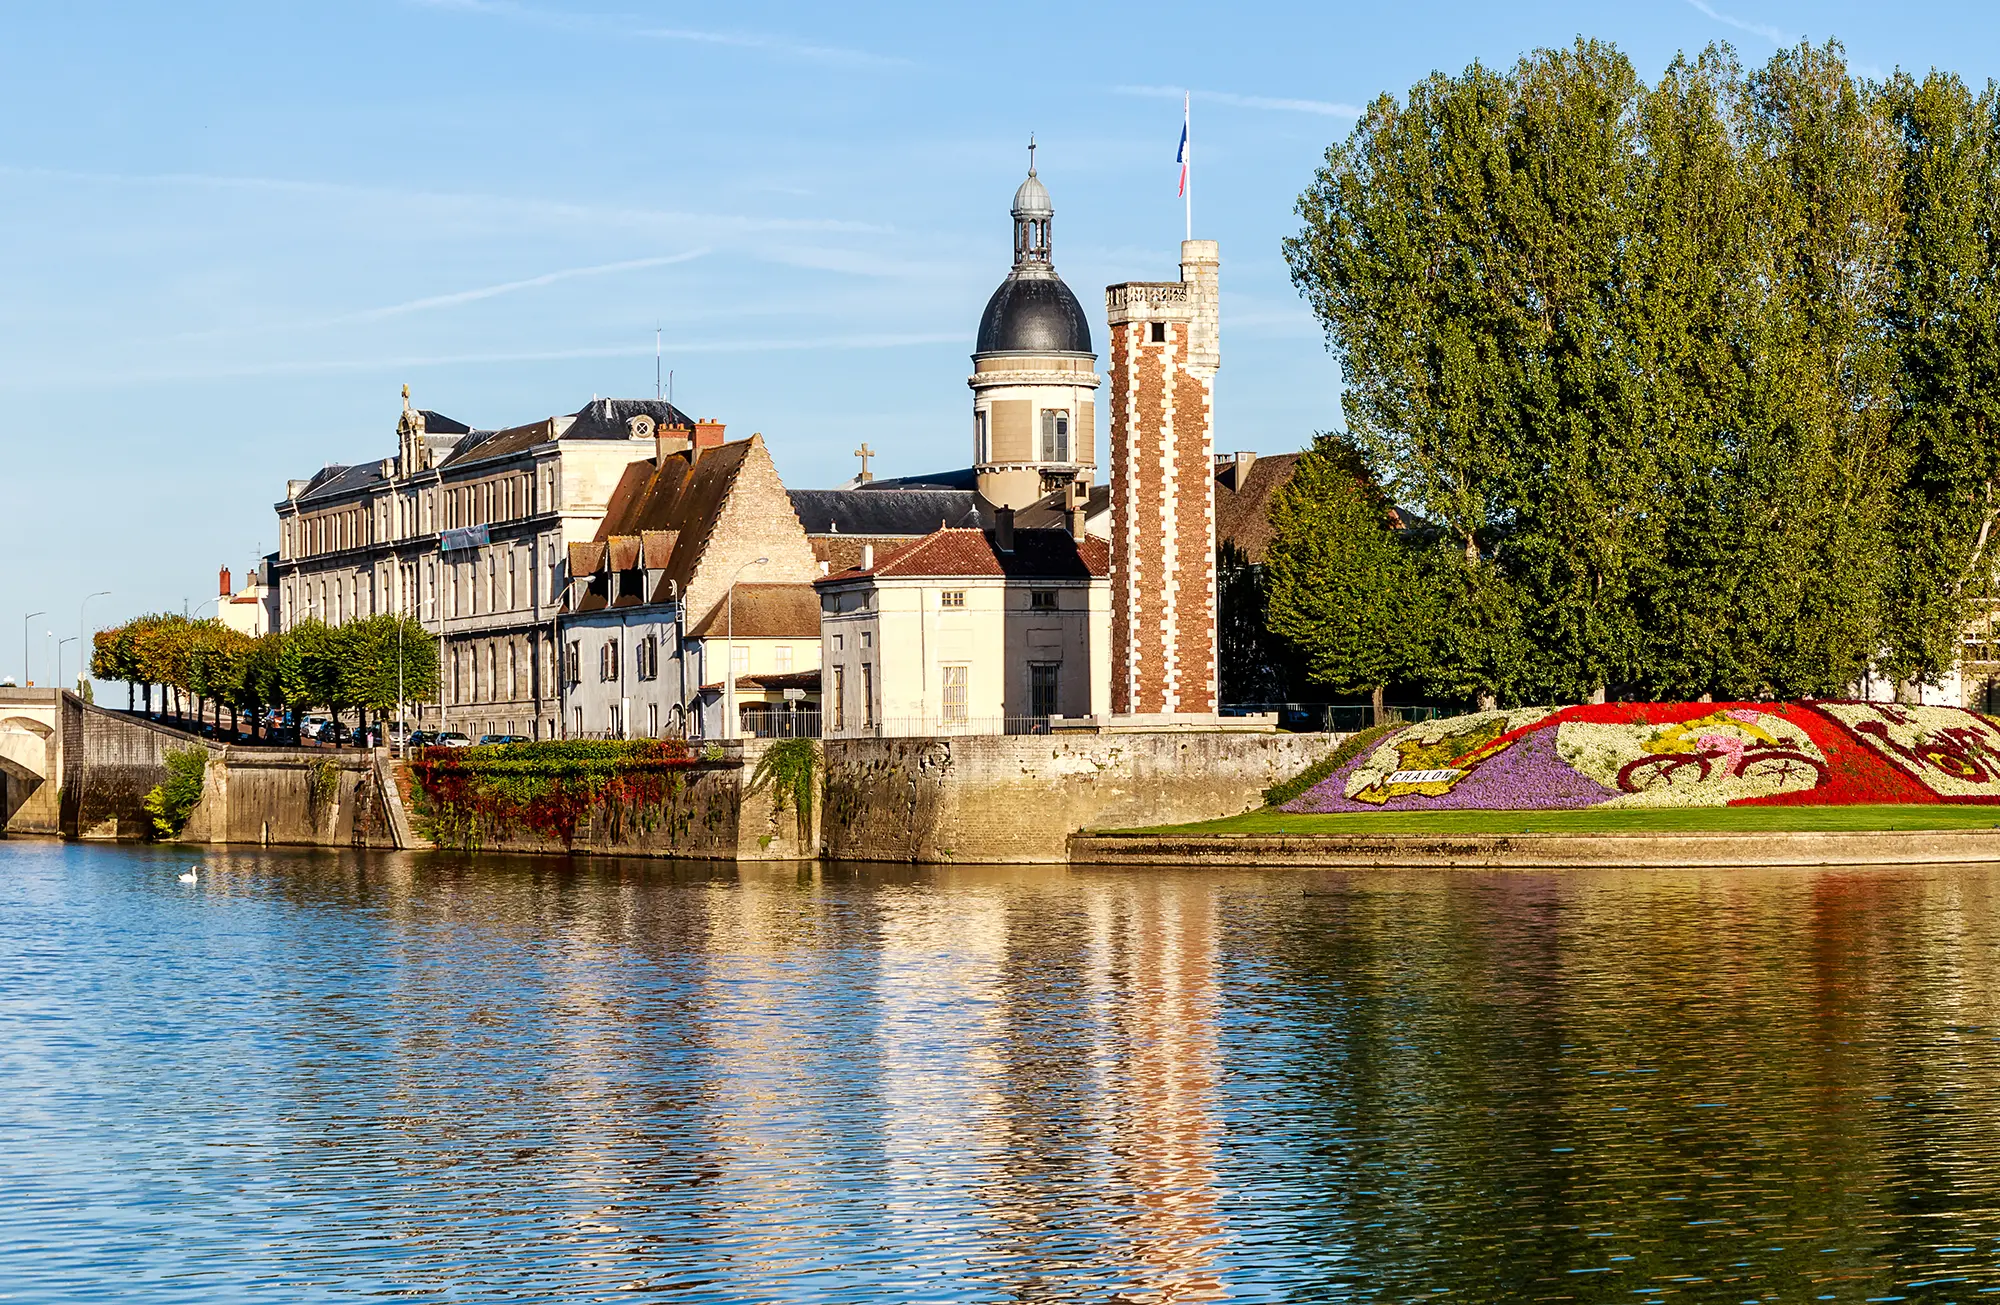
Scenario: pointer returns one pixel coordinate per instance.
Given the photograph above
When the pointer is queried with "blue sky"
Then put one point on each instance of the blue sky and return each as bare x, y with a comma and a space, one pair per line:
230, 233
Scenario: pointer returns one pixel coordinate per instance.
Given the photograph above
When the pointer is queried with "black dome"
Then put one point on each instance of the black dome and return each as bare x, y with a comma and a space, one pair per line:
1033, 314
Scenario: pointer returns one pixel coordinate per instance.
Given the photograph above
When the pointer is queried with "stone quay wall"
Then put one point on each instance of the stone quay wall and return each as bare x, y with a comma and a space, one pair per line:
110, 761
297, 797
1018, 799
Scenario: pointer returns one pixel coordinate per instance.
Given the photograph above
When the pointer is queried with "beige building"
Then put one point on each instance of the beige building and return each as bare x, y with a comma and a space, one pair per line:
467, 530
967, 632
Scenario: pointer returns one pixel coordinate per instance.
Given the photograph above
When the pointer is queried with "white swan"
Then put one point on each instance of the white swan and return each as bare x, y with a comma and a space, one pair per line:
188, 878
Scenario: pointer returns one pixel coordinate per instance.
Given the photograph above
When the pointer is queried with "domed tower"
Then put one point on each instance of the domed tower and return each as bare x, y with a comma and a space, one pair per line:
1034, 378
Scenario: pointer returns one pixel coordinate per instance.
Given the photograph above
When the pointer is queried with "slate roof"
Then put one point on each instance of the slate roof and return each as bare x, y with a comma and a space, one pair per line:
958, 478
1244, 515
1037, 555
875, 511
766, 612
1048, 512
334, 481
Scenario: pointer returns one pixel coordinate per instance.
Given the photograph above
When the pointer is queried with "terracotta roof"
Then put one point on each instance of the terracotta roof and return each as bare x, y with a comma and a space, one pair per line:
1037, 555
657, 546
668, 509
624, 552
766, 612
585, 559
1244, 515
770, 683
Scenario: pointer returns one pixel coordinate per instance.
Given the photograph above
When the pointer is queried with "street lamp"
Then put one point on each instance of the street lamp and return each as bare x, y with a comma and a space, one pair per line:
59, 655
83, 636
729, 723
27, 679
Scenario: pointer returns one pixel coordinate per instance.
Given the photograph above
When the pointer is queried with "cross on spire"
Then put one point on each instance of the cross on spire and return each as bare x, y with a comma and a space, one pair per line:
865, 453
1031, 153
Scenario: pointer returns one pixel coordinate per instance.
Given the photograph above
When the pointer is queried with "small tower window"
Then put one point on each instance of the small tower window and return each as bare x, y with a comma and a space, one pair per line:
1055, 435
982, 441
1159, 332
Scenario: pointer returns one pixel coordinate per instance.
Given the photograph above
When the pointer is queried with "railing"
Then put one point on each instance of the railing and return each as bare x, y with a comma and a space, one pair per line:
924, 727
778, 722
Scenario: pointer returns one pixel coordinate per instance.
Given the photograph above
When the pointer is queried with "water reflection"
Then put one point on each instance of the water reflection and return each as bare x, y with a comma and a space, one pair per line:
314, 1076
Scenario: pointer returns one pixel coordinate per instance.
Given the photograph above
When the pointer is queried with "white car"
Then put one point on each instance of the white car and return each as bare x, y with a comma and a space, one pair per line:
451, 739
310, 727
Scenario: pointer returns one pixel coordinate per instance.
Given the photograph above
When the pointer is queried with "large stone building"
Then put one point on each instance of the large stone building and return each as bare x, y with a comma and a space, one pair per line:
467, 530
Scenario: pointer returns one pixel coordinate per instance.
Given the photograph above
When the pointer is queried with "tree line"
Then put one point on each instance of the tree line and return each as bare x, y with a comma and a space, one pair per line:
1676, 390
203, 667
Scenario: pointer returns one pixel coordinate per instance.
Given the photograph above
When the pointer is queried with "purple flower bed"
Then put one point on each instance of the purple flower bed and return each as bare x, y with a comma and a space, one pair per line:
1527, 776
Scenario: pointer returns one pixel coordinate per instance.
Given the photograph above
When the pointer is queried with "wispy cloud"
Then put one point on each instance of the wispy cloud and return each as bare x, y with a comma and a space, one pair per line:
507, 287
1765, 30
1325, 108
334, 366
769, 42
469, 201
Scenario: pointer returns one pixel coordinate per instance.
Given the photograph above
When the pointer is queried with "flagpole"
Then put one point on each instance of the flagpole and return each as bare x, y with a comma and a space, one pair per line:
1187, 127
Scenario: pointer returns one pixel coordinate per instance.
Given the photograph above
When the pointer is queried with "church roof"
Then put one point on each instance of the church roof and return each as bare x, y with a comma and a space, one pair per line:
877, 511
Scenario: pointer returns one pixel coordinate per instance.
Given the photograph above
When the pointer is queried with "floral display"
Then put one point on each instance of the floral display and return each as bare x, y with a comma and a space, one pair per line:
1673, 754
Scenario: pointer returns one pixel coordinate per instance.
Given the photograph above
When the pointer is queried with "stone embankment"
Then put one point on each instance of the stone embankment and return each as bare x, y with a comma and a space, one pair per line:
1532, 851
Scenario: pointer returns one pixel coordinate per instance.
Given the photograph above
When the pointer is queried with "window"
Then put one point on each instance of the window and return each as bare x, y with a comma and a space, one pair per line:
840, 697
1043, 678
839, 642
617, 723
952, 598
652, 720
955, 681
649, 658
607, 660
579, 722
781, 658
982, 447
1159, 332
739, 659
1055, 435
573, 666
867, 695
513, 673
867, 638
1041, 600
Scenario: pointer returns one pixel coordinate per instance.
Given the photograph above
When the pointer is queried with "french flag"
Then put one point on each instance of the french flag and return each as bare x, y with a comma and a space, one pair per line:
1181, 158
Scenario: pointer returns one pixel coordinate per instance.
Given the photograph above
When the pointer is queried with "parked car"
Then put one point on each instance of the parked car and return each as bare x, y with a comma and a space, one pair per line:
421, 739
452, 739
336, 733
399, 732
489, 740
310, 727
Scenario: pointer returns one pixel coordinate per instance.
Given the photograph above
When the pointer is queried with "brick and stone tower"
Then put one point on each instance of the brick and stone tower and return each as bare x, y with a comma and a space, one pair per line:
1165, 347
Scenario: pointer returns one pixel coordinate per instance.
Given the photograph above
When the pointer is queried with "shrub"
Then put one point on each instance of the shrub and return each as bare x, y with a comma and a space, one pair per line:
545, 787
172, 802
787, 769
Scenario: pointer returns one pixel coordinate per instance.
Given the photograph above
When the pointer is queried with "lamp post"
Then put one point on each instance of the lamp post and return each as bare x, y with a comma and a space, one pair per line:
83, 636
27, 679
729, 722
59, 655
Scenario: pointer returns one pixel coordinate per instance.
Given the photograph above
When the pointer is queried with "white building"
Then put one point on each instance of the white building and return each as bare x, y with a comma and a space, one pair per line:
967, 632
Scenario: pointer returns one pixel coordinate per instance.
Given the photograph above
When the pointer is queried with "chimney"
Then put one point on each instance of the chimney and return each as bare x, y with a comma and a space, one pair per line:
707, 434
668, 441
1076, 518
1241, 471
223, 583
1003, 529
868, 557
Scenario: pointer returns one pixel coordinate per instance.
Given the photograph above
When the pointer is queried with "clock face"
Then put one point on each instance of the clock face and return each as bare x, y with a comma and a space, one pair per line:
641, 427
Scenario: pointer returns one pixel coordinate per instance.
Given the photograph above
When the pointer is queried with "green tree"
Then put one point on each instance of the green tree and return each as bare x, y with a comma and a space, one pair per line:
1339, 578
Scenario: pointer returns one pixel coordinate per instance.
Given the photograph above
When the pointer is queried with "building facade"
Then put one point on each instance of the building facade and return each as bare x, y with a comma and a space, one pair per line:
699, 571
468, 531
967, 632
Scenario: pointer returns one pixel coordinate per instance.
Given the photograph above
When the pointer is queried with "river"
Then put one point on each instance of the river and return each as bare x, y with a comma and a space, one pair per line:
317, 1076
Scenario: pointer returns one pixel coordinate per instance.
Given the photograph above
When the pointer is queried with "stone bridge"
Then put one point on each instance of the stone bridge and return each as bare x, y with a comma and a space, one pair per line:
73, 770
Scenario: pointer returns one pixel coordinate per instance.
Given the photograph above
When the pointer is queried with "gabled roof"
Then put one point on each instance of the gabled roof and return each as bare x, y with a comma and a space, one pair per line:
1037, 555
765, 612
334, 481
882, 512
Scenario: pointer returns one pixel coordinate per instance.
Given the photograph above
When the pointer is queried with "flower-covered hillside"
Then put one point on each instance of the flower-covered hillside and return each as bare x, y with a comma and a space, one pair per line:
1675, 754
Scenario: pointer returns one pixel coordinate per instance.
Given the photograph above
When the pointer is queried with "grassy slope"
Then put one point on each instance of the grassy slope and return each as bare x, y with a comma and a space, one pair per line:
1685, 819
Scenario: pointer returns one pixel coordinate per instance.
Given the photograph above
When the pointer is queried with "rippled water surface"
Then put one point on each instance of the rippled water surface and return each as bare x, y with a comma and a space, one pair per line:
314, 1076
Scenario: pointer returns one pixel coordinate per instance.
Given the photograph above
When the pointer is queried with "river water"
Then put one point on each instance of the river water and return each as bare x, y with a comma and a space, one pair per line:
319, 1076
